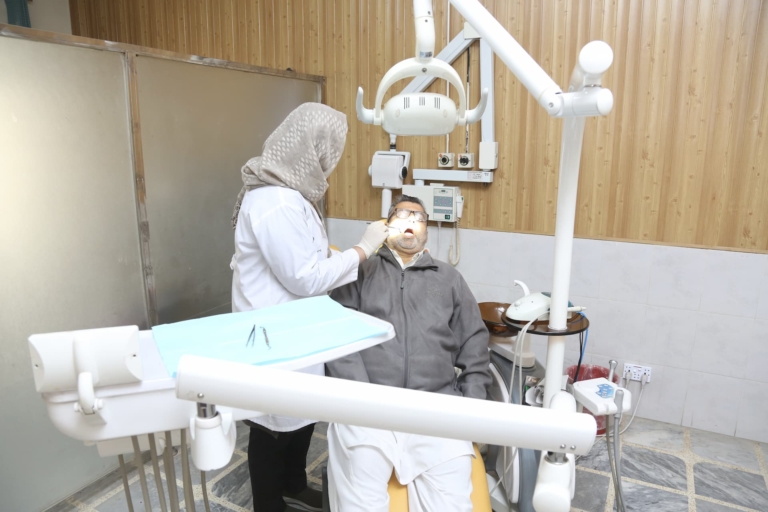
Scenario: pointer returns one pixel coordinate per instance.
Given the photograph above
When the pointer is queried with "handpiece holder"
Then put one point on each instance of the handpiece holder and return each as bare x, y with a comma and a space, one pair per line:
213, 436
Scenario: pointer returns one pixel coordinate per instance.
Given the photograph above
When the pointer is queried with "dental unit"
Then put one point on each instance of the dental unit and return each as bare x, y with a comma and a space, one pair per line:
119, 388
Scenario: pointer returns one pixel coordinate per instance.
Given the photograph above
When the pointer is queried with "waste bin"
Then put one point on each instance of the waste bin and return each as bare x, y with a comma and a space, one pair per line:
590, 371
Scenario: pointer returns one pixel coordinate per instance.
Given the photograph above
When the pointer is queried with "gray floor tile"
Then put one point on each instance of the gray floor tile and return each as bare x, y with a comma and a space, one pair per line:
107, 483
640, 498
243, 434
317, 448
731, 486
655, 434
102, 486
118, 503
321, 427
235, 487
727, 449
62, 506
215, 507
317, 473
653, 467
194, 472
706, 506
591, 491
597, 458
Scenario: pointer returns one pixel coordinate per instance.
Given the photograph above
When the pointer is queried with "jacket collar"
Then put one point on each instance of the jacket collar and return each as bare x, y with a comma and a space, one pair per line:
425, 262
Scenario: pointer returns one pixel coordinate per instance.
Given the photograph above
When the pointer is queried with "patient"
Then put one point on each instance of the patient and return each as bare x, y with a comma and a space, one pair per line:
438, 327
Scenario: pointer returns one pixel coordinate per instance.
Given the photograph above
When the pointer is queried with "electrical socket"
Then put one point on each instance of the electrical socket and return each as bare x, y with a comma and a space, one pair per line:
445, 159
637, 372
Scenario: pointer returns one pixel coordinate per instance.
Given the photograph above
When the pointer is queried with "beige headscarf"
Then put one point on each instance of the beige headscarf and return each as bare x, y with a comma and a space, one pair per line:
300, 154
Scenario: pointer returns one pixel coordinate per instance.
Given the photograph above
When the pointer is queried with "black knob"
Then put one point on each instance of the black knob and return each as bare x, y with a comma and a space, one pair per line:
404, 172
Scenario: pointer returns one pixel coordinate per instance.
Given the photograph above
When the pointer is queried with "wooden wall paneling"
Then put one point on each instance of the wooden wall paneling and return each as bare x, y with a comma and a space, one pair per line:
535, 175
708, 147
620, 190
298, 33
228, 30
671, 201
748, 217
679, 160
592, 218
593, 147
621, 112
721, 69
518, 141
691, 184
570, 33
555, 29
503, 177
649, 172
283, 33
251, 13
367, 29
635, 212
734, 184
240, 24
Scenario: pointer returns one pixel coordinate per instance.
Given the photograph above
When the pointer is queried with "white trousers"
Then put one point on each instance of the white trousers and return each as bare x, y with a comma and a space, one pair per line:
437, 472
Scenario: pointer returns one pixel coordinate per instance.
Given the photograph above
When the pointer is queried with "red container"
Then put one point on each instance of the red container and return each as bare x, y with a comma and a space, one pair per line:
589, 371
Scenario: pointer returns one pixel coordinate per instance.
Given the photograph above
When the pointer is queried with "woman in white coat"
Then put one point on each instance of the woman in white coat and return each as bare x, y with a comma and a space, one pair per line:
282, 254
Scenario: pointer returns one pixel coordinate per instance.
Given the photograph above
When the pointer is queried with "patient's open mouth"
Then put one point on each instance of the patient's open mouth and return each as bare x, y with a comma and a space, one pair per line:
408, 232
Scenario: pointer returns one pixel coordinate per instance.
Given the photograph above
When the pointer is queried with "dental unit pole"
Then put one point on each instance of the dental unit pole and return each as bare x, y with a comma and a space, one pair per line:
585, 98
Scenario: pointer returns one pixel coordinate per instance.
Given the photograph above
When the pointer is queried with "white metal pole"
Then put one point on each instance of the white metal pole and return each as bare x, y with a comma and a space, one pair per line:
527, 70
487, 122
301, 395
570, 155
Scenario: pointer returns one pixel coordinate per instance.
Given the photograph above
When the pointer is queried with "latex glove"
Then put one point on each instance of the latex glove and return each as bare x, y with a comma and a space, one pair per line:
374, 236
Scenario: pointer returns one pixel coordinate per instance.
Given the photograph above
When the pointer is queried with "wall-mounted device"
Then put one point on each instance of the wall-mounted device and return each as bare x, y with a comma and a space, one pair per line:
387, 171
445, 160
466, 160
443, 204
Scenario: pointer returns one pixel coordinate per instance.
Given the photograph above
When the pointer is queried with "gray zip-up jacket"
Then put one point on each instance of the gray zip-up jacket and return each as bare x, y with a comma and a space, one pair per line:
437, 326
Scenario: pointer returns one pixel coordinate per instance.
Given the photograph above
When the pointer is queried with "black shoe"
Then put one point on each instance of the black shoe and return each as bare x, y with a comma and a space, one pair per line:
306, 500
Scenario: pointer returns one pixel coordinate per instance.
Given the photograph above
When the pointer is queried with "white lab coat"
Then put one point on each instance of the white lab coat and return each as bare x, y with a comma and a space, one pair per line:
281, 254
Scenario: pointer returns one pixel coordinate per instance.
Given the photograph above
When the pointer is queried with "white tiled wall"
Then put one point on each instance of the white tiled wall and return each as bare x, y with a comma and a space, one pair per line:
698, 317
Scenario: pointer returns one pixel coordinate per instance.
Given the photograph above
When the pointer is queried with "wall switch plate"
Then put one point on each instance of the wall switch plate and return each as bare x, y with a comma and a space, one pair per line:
637, 372
445, 160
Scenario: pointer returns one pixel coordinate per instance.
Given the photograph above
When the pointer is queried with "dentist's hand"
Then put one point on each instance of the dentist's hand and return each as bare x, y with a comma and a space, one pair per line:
374, 236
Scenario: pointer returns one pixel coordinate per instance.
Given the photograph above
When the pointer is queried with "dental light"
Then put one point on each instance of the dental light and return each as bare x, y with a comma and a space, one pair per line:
421, 113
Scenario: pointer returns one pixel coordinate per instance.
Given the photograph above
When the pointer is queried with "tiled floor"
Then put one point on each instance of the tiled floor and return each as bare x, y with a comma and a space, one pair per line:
665, 468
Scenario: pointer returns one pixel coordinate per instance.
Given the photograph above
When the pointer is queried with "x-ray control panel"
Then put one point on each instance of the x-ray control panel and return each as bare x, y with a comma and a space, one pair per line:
439, 201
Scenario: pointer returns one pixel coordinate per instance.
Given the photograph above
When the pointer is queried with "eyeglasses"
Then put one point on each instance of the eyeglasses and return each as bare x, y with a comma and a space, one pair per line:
404, 213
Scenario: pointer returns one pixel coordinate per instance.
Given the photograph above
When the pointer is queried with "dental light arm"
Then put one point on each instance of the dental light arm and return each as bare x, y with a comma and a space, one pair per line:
355, 403
594, 60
